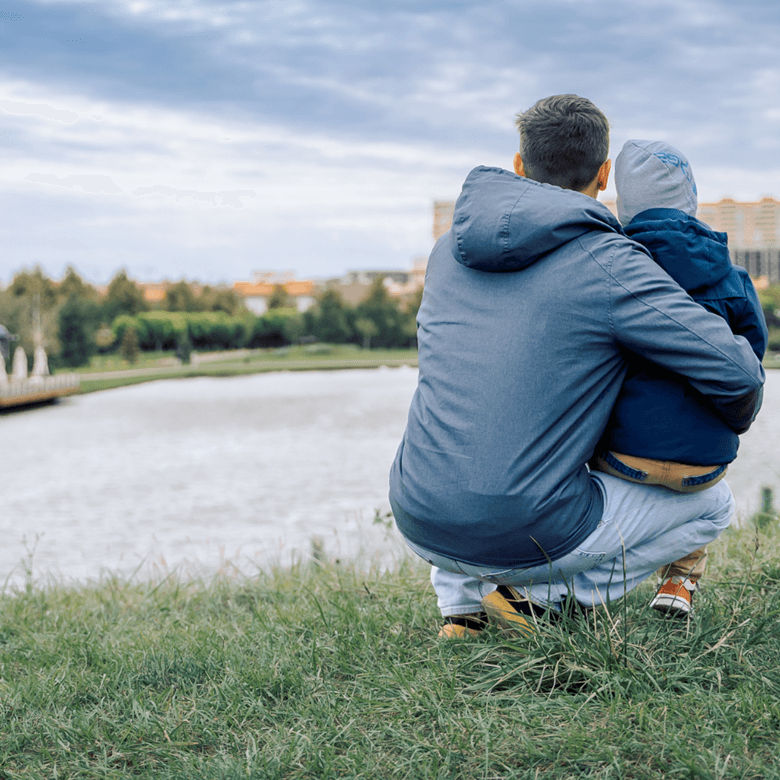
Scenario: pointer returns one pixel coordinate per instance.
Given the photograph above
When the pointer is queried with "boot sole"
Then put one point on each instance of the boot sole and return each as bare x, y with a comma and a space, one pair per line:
671, 605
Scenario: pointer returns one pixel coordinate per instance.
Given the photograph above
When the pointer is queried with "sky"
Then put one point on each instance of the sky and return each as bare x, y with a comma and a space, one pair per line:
210, 139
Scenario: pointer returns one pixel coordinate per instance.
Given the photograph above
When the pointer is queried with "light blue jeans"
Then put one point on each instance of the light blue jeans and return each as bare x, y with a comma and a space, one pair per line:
643, 528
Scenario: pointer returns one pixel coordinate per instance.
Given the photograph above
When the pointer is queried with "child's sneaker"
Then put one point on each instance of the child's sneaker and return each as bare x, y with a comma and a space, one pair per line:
674, 596
463, 626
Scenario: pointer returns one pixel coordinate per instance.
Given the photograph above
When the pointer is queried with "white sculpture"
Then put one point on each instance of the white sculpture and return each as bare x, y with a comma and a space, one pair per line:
40, 367
19, 373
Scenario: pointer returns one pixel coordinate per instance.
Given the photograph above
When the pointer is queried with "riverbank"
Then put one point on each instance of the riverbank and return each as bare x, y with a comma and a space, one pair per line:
105, 372
323, 670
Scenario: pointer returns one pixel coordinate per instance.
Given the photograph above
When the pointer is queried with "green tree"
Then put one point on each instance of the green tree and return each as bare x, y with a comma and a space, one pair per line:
29, 284
280, 298
385, 313
123, 296
11, 315
367, 329
14, 315
276, 328
78, 320
180, 297
329, 320
184, 347
104, 337
74, 286
30, 309
129, 348
160, 329
770, 303
216, 330
219, 299
410, 310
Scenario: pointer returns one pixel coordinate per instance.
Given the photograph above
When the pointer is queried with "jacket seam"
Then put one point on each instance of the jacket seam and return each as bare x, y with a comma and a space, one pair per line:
505, 218
607, 271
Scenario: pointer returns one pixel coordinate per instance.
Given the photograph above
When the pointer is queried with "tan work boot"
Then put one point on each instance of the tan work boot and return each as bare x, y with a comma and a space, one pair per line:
463, 626
510, 610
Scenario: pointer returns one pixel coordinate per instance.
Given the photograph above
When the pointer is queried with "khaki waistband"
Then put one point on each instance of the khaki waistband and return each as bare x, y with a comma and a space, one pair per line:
663, 469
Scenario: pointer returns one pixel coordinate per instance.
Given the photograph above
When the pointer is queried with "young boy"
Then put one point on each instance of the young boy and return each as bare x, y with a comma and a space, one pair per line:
662, 432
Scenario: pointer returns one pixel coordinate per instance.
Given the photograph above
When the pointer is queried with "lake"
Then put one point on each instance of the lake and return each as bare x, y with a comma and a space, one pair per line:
231, 473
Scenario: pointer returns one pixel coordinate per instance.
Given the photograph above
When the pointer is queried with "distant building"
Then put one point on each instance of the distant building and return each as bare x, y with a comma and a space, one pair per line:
154, 292
255, 294
753, 229
442, 217
751, 225
355, 285
754, 234
419, 266
763, 265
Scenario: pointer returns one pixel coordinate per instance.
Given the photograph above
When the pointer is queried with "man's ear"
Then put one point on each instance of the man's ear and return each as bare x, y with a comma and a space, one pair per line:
518, 162
603, 175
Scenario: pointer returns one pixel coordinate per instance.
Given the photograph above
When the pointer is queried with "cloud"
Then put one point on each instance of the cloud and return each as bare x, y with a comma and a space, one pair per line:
43, 110
340, 121
230, 198
89, 183
170, 170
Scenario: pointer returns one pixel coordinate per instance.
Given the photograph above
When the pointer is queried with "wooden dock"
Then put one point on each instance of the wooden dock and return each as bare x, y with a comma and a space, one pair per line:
37, 390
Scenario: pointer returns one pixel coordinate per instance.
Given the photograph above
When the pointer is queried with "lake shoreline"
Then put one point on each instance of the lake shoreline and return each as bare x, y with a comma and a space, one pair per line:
317, 357
247, 363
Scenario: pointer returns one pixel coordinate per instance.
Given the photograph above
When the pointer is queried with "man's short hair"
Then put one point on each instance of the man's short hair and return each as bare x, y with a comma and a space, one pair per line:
564, 140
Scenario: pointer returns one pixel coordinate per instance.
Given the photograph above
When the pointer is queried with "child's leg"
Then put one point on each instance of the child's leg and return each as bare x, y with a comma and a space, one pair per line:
678, 477
690, 567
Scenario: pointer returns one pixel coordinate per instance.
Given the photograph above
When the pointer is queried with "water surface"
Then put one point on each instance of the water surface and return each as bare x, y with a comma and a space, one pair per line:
201, 473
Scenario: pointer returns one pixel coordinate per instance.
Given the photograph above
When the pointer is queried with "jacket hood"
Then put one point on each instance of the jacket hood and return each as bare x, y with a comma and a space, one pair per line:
504, 222
690, 252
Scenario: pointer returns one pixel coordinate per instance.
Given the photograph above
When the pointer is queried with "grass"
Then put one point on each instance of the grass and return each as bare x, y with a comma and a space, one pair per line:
326, 670
772, 361
151, 366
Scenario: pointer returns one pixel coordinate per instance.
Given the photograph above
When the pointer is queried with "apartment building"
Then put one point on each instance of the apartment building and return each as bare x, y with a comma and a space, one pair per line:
753, 228
255, 294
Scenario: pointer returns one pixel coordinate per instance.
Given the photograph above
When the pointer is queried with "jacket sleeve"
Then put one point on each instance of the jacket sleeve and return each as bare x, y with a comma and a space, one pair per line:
653, 317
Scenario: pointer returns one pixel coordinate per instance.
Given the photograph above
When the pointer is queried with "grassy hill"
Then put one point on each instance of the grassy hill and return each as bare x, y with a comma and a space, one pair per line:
329, 670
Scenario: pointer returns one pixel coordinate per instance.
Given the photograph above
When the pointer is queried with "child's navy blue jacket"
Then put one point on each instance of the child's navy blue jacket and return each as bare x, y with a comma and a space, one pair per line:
659, 415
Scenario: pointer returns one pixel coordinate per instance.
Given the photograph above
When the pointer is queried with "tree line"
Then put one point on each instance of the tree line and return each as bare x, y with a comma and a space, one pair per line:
76, 320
